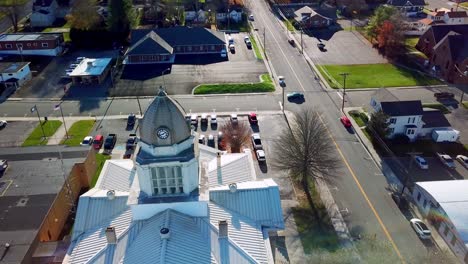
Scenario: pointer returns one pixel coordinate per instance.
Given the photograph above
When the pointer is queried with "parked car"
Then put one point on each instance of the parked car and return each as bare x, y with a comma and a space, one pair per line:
345, 121
87, 141
421, 162
421, 228
213, 119
463, 160
3, 165
444, 95
68, 72
97, 142
292, 42
202, 139
446, 160
131, 142
251, 18
3, 123
211, 141
204, 119
79, 59
260, 155
232, 48
131, 120
295, 95
109, 143
234, 119
194, 120
253, 118
321, 46
281, 81
248, 44
256, 141
73, 66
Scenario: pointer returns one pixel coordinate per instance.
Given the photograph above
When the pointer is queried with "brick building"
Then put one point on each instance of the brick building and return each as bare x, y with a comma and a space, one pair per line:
308, 18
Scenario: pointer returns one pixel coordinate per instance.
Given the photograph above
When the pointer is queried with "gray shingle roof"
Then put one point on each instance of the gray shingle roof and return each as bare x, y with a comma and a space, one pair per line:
151, 43
402, 108
434, 118
406, 2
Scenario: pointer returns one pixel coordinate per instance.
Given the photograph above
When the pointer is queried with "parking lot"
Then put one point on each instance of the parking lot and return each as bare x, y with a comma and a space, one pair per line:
48, 73
341, 47
15, 132
190, 71
269, 127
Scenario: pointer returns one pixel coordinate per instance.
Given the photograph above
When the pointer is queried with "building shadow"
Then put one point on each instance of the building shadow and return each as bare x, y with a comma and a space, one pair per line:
145, 71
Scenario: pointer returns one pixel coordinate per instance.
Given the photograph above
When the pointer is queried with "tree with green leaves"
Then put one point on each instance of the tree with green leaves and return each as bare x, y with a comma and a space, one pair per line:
84, 15
381, 14
305, 150
12, 9
122, 16
378, 123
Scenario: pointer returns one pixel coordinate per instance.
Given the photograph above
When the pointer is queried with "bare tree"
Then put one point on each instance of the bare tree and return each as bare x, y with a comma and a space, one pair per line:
84, 15
12, 9
235, 135
305, 151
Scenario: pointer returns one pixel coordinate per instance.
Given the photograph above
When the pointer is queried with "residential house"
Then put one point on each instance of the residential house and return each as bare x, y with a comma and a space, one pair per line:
446, 46
196, 17
15, 73
456, 18
43, 13
234, 13
407, 117
445, 204
43, 44
442, 16
178, 202
308, 18
163, 44
408, 7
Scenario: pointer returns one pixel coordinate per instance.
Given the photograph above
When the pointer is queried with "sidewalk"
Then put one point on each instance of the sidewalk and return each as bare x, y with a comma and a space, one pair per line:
60, 134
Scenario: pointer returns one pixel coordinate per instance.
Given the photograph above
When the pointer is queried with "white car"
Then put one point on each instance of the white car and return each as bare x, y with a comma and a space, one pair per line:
204, 119
234, 119
260, 155
201, 139
463, 160
421, 162
87, 141
251, 18
3, 123
281, 80
232, 48
213, 119
194, 120
68, 72
421, 228
446, 160
256, 141
3, 165
211, 141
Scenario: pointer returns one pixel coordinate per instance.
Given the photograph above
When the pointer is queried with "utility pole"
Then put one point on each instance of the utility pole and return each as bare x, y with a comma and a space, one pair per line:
34, 109
264, 44
284, 88
302, 47
139, 105
462, 74
344, 74
57, 107
408, 174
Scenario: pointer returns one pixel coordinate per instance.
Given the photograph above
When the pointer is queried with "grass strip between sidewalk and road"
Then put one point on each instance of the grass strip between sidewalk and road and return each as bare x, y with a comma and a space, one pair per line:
374, 76
289, 25
36, 137
256, 48
266, 85
360, 118
78, 131
100, 160
465, 104
440, 107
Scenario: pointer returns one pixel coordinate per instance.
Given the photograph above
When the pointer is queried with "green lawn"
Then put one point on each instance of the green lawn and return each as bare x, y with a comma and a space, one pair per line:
256, 48
374, 76
464, 4
465, 104
265, 85
100, 160
65, 30
78, 131
441, 107
360, 118
289, 25
36, 137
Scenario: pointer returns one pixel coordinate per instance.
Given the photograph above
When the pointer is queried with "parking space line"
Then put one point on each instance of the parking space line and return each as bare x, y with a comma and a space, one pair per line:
338, 93
4, 191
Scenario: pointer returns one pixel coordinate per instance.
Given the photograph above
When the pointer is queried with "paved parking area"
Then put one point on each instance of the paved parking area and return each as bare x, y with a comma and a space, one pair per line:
48, 81
341, 47
242, 66
118, 127
16, 132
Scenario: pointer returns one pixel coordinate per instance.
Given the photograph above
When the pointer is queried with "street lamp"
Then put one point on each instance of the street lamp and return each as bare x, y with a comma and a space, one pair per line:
344, 74
59, 107
34, 109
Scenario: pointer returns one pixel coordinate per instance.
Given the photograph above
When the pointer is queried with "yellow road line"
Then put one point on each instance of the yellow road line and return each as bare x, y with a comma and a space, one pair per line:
387, 234
4, 191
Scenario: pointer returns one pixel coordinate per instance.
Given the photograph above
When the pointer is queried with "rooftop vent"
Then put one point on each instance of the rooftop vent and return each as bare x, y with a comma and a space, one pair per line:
223, 229
232, 187
110, 235
110, 195
164, 232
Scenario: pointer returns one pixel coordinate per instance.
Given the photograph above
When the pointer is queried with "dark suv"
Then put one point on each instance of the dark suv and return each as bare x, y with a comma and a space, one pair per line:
109, 143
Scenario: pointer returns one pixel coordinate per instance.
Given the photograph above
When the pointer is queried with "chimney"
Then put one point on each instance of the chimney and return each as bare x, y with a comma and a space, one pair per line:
223, 229
218, 168
110, 235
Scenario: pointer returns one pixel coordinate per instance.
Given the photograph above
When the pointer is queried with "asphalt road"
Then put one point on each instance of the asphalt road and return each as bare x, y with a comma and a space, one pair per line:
359, 184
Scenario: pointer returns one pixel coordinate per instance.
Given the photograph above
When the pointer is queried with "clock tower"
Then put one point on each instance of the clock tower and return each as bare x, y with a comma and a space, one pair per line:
166, 163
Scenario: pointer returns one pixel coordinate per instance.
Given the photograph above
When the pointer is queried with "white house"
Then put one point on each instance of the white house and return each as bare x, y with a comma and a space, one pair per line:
445, 203
44, 13
234, 14
456, 18
196, 16
407, 117
177, 202
15, 73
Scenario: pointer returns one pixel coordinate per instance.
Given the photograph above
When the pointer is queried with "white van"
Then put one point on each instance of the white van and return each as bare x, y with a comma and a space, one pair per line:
230, 40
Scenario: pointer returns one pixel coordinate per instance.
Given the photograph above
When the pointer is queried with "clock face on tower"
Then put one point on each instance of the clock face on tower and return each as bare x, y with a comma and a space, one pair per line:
162, 133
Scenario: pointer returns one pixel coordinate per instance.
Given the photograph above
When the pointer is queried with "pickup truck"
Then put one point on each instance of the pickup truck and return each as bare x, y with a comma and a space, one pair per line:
446, 160
109, 143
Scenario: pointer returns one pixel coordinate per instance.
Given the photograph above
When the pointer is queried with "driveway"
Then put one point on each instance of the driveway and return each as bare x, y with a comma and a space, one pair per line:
48, 76
187, 73
341, 46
